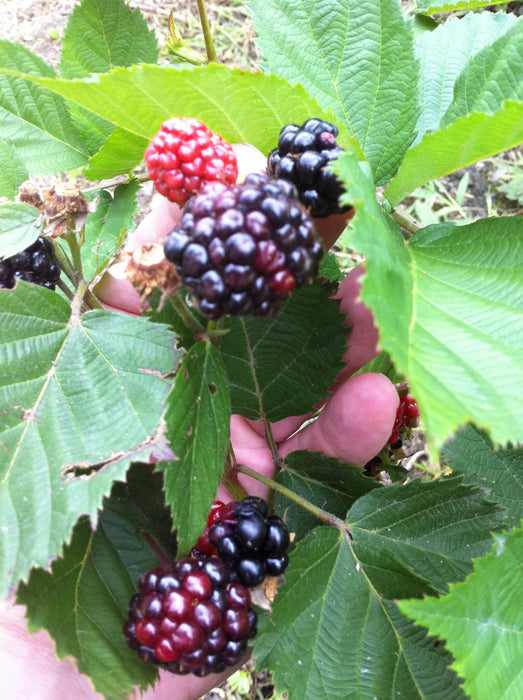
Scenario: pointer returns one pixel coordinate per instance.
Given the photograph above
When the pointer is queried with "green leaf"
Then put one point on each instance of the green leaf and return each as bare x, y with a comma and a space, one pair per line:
267, 358
357, 58
491, 77
12, 170
448, 307
498, 472
82, 602
432, 528
432, 7
332, 635
335, 614
444, 53
34, 119
465, 141
239, 105
198, 418
120, 153
80, 395
101, 35
486, 608
20, 226
106, 228
324, 481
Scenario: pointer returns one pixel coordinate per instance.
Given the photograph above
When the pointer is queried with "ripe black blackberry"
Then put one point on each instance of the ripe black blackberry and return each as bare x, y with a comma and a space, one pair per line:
253, 544
191, 618
36, 264
242, 248
301, 158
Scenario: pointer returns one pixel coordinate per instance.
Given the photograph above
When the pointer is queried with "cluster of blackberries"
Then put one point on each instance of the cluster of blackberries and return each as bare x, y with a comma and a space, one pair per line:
302, 157
35, 264
196, 616
407, 416
242, 248
191, 618
251, 542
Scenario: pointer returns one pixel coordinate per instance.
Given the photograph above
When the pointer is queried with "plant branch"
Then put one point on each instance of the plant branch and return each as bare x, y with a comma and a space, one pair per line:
72, 242
230, 477
190, 321
206, 28
405, 222
321, 514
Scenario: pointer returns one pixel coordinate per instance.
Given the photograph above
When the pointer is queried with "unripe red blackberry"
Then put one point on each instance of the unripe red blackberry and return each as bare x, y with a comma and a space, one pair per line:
252, 543
302, 157
407, 416
190, 618
243, 248
184, 155
36, 264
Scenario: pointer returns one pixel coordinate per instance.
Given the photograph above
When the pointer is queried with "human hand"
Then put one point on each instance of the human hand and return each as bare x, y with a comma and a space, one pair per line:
354, 425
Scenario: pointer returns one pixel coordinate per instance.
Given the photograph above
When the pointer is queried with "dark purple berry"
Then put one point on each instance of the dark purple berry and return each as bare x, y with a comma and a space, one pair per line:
36, 264
302, 157
234, 246
190, 618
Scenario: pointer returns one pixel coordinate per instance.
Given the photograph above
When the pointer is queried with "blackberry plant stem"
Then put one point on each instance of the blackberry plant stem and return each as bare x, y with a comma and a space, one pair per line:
325, 516
190, 321
72, 242
207, 35
230, 477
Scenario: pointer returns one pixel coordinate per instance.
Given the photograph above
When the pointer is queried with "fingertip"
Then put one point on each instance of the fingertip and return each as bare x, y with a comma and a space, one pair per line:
355, 423
160, 221
250, 159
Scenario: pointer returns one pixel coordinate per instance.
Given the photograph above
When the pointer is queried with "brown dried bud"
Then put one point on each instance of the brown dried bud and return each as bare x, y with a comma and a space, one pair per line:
62, 199
29, 194
147, 269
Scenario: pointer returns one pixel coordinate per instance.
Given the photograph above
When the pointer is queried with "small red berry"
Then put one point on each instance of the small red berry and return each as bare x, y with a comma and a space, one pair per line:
184, 155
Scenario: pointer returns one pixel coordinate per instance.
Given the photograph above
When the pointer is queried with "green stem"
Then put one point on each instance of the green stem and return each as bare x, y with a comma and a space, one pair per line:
65, 289
206, 28
91, 301
72, 242
190, 321
405, 222
78, 301
65, 263
230, 477
321, 514
276, 460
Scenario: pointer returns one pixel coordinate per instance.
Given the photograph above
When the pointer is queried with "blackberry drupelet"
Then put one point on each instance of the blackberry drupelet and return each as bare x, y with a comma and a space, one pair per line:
252, 543
36, 264
190, 618
243, 248
302, 157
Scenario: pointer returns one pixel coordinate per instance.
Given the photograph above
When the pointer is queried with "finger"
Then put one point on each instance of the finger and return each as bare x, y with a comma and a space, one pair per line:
355, 423
30, 668
250, 448
171, 687
362, 345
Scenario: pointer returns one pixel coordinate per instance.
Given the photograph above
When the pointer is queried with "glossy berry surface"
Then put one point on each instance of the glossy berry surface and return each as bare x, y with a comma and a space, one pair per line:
252, 543
241, 249
302, 157
407, 416
190, 618
36, 264
184, 155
